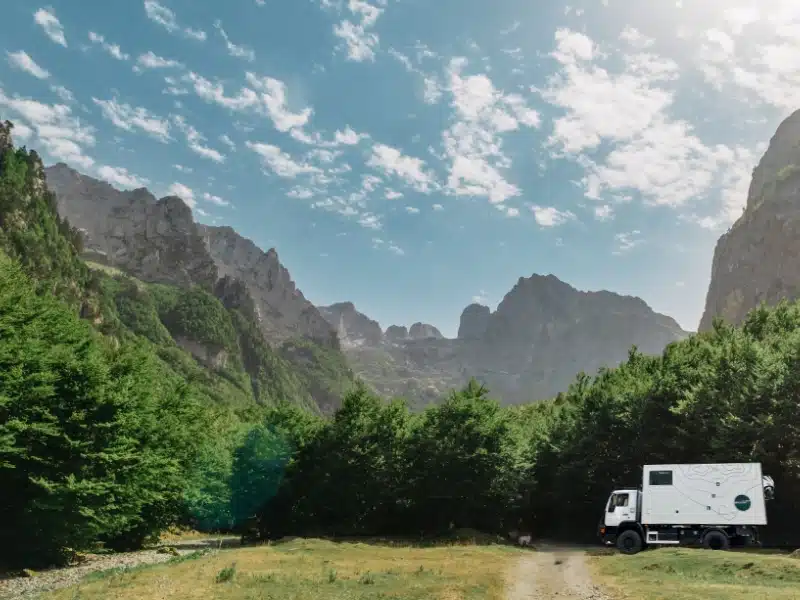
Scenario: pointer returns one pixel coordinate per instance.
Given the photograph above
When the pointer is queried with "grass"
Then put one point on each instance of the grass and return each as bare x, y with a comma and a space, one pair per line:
684, 574
313, 570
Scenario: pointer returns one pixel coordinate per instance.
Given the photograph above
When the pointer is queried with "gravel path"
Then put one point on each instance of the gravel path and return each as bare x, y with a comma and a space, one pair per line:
553, 572
26, 588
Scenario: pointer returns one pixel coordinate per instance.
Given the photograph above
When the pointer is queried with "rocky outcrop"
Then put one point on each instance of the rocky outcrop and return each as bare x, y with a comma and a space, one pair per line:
474, 321
758, 259
424, 331
543, 333
281, 308
159, 241
396, 333
352, 327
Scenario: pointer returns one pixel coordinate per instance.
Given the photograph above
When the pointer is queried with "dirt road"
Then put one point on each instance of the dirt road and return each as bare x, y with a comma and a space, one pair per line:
553, 573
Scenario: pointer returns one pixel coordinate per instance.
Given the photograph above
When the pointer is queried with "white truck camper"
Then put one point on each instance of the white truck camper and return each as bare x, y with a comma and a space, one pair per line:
713, 505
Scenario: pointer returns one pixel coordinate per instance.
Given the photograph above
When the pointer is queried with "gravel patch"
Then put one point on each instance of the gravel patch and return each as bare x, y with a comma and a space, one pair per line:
26, 588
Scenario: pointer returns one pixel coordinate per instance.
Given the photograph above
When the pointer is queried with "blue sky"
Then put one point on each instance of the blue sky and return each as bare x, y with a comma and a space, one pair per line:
413, 156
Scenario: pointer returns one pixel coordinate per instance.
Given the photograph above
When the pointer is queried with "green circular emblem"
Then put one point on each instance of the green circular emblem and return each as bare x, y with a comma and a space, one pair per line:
742, 502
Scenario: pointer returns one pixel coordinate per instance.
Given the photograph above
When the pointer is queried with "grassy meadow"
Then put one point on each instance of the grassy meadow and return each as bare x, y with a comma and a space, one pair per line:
312, 570
684, 574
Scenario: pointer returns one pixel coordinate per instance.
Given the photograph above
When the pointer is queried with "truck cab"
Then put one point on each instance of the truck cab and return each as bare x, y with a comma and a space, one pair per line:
623, 507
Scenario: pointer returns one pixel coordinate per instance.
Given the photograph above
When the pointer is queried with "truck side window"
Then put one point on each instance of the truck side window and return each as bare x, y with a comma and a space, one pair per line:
622, 499
660, 477
612, 502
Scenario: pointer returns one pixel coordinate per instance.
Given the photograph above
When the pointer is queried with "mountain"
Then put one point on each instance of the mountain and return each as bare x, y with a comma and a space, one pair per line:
158, 241
293, 353
542, 334
756, 260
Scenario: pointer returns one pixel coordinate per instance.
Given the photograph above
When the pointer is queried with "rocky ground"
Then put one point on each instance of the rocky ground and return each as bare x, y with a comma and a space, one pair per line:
25, 588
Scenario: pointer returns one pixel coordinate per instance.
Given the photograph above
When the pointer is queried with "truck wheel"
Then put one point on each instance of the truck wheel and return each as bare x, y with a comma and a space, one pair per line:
716, 540
629, 542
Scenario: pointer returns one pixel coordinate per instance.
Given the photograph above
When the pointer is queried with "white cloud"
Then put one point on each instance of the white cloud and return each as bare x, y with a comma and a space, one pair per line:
626, 241
195, 139
279, 162
356, 36
616, 125
46, 19
149, 60
395, 249
301, 193
234, 50
370, 221
113, 49
480, 298
228, 142
21, 133
183, 192
182, 169
412, 210
762, 64
273, 97
437, 207
132, 118
215, 199
121, 177
59, 134
392, 194
603, 212
63, 93
163, 16
22, 61
266, 96
348, 137
473, 143
410, 169
550, 216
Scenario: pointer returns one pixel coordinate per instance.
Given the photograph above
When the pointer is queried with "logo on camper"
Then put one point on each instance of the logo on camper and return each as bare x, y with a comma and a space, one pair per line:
742, 502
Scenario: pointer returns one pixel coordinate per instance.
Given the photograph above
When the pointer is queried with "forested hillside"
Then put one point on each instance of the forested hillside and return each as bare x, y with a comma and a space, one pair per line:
110, 430
198, 363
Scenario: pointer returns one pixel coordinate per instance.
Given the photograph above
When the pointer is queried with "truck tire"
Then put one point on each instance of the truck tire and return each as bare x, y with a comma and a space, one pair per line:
629, 542
716, 540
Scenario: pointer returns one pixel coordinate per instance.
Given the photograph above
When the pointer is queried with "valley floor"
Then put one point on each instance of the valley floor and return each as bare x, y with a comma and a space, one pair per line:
317, 569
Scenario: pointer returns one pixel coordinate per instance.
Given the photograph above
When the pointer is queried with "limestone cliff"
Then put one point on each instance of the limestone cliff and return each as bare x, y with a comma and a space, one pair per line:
282, 309
542, 334
757, 260
474, 321
159, 241
352, 327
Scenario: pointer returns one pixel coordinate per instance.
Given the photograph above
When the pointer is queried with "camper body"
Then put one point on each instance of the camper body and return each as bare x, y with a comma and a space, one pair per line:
713, 505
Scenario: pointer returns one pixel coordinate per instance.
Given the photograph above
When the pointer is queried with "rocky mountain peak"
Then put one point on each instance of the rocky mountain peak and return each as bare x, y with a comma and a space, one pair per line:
282, 309
396, 333
474, 321
424, 331
159, 241
352, 327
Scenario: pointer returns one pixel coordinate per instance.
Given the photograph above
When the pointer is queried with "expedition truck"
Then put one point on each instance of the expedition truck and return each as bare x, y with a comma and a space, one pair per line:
713, 505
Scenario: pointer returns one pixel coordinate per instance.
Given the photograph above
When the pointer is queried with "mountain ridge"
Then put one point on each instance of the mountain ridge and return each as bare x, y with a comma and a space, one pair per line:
541, 333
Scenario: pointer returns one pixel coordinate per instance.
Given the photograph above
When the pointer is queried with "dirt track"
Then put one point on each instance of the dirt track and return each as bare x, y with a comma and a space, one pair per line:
553, 572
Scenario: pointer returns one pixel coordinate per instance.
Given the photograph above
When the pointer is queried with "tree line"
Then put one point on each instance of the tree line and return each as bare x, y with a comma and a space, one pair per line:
109, 433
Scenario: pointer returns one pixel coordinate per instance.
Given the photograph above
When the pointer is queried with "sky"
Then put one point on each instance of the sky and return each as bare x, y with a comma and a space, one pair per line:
414, 156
